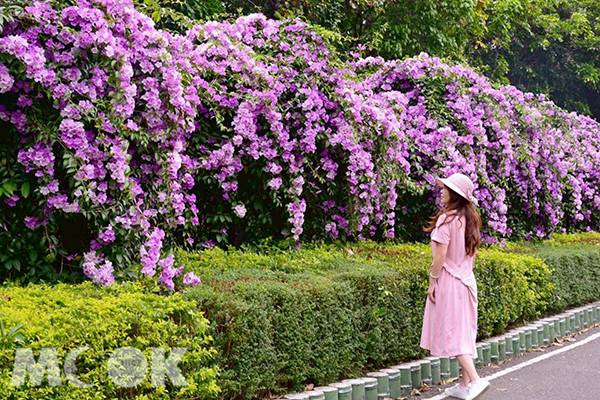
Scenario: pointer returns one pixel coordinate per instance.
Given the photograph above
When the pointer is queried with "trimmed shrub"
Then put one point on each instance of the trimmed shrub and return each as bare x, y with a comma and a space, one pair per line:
66, 317
574, 238
282, 319
279, 333
512, 288
576, 275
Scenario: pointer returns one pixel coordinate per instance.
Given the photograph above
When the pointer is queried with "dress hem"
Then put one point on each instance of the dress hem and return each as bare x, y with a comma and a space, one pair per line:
473, 355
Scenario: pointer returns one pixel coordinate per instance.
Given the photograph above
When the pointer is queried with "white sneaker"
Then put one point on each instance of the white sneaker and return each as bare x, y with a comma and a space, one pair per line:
476, 388
458, 391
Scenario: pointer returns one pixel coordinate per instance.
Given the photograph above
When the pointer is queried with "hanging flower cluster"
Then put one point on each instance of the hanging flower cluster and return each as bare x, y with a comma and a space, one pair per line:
121, 122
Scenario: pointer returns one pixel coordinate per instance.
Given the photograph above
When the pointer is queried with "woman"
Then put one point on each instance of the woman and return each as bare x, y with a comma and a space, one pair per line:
450, 318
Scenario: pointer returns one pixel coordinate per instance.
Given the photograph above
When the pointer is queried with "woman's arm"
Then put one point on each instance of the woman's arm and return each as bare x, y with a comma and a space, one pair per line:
439, 256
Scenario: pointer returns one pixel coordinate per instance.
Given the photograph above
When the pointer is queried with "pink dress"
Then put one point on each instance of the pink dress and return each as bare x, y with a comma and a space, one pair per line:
450, 324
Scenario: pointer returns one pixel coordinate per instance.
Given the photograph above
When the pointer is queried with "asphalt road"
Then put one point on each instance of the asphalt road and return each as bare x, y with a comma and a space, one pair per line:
572, 374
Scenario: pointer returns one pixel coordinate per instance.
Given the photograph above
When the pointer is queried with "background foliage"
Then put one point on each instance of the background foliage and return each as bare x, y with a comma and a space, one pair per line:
544, 46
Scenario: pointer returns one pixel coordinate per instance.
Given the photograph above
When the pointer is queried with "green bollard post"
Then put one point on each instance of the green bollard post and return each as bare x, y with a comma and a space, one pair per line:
425, 371
546, 330
572, 324
522, 341
454, 368
550, 326
415, 374
560, 319
330, 392
534, 336
405, 379
516, 345
370, 388
486, 353
436, 377
479, 360
394, 381
316, 395
508, 346
575, 319
383, 383
528, 340
540, 335
547, 333
586, 318
501, 349
494, 351
358, 388
344, 390
445, 369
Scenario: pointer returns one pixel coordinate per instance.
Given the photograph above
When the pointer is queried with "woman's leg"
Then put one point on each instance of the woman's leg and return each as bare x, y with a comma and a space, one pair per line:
468, 367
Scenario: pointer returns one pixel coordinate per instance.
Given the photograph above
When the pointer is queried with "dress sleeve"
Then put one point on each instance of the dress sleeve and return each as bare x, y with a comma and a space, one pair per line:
441, 232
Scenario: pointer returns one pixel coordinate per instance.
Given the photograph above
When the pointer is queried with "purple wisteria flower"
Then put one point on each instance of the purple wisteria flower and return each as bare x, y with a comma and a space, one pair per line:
239, 210
190, 279
12, 200
107, 236
100, 271
6, 79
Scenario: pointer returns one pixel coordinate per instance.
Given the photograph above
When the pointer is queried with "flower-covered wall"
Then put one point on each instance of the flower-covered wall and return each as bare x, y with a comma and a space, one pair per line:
254, 128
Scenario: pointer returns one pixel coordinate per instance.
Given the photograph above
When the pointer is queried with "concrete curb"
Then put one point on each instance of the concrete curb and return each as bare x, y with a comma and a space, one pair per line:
399, 380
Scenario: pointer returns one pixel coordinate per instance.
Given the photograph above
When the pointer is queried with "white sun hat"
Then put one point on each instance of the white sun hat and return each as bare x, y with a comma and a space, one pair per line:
462, 185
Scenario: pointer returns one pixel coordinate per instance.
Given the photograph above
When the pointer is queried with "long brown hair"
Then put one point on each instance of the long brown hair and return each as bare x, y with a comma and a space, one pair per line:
458, 206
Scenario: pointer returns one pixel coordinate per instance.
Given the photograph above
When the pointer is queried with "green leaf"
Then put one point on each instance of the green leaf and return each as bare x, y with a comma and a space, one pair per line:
25, 189
9, 187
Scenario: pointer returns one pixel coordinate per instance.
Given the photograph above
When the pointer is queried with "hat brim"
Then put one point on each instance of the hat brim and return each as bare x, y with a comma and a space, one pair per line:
453, 187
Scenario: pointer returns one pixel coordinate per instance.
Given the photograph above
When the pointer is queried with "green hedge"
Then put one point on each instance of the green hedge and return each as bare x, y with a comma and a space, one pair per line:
65, 317
576, 277
282, 319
